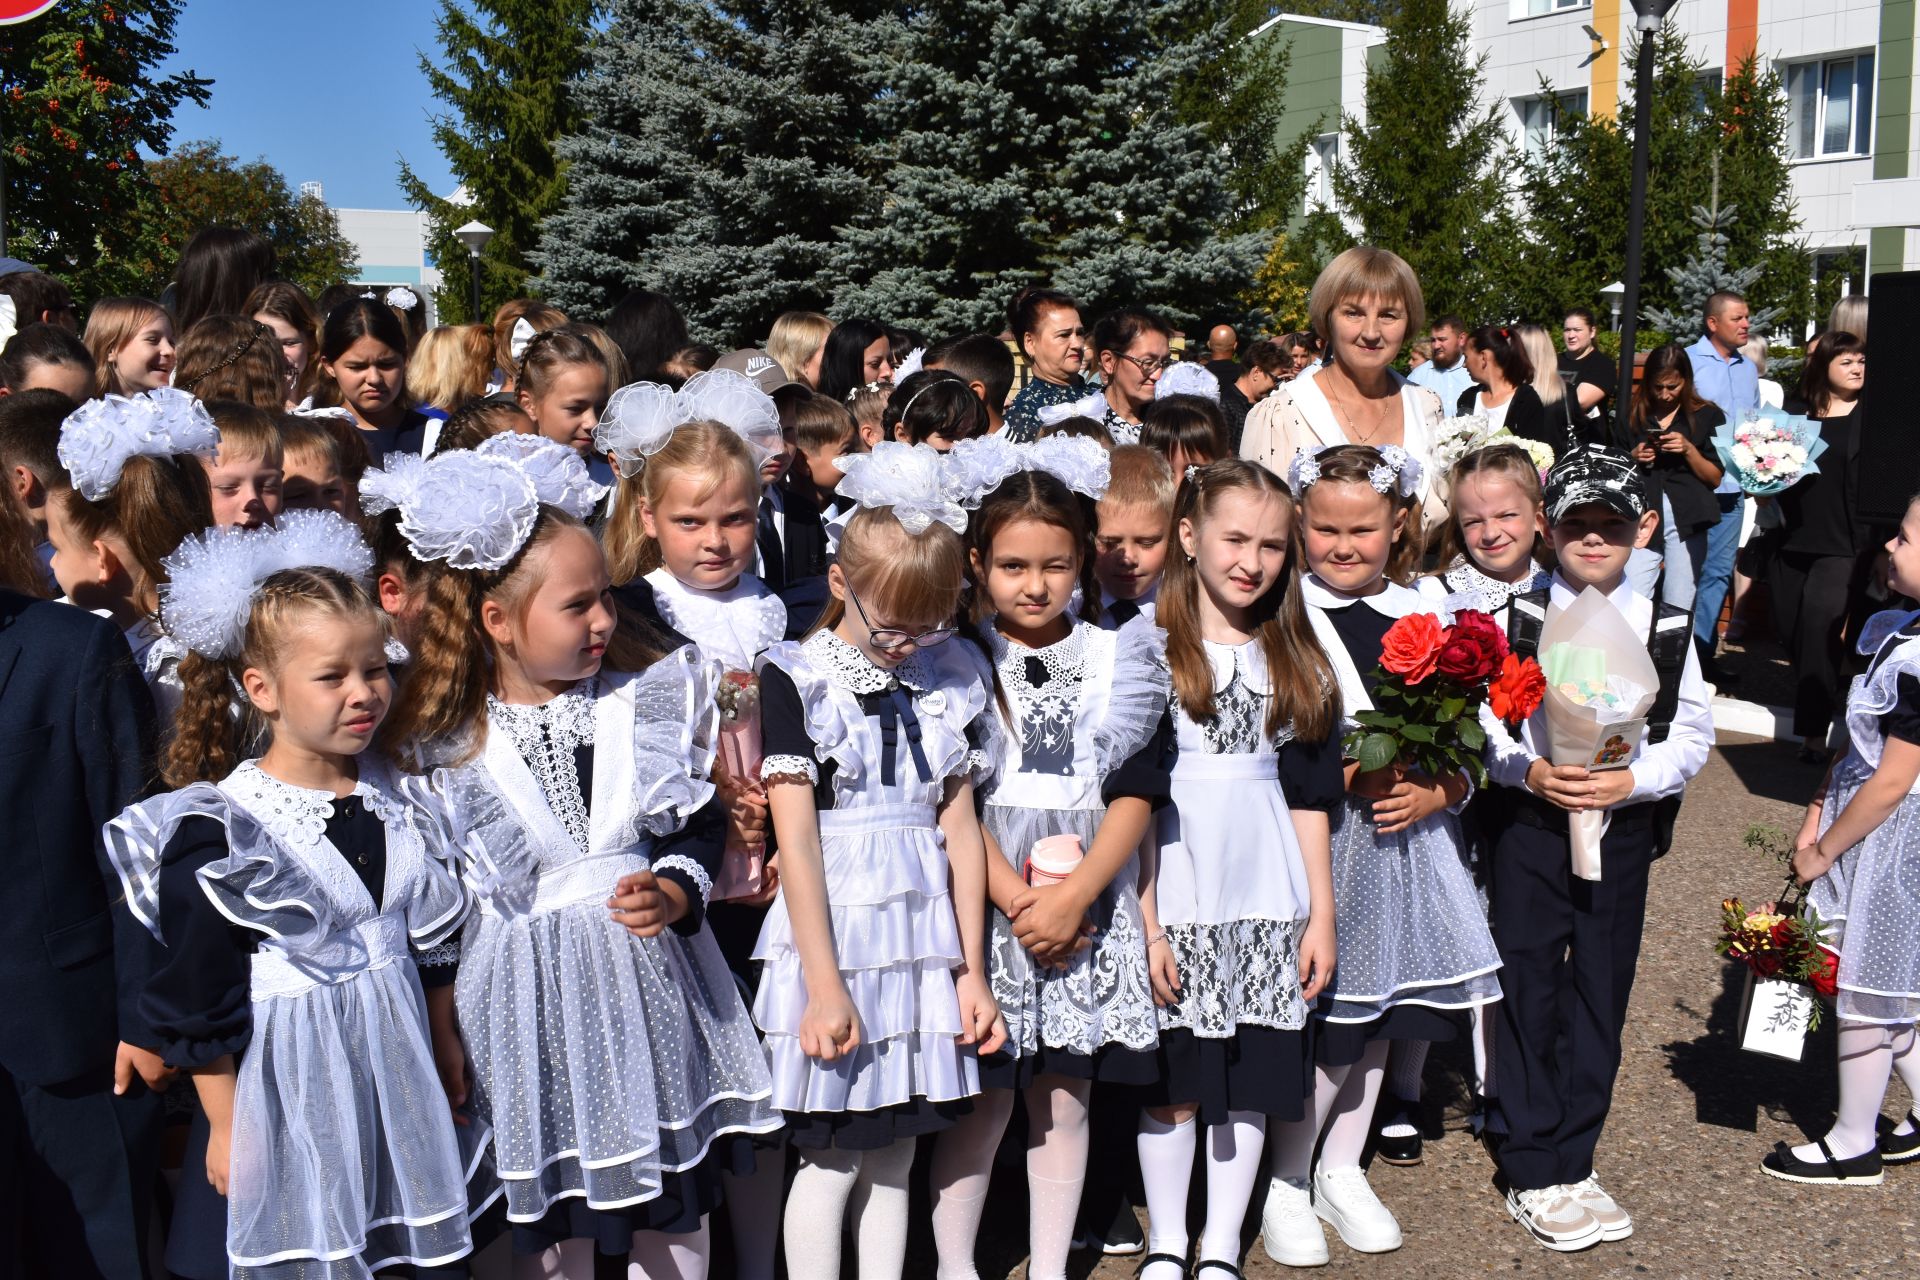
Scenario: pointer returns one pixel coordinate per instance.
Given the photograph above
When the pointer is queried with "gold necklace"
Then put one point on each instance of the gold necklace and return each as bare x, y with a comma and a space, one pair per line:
1379, 417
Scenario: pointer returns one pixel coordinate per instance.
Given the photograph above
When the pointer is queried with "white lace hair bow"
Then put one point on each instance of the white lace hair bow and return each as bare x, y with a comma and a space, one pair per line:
402, 298
978, 465
641, 417
1075, 461
98, 438
471, 509
560, 477
1397, 470
523, 333
1091, 406
215, 575
910, 479
911, 365
1185, 378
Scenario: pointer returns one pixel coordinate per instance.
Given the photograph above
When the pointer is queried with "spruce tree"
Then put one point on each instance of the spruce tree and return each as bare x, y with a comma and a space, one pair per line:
506, 71
1705, 272
720, 146
1424, 175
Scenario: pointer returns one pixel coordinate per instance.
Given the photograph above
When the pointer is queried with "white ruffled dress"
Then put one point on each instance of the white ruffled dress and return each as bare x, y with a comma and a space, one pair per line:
1870, 893
344, 1157
608, 1065
894, 930
1411, 929
1082, 711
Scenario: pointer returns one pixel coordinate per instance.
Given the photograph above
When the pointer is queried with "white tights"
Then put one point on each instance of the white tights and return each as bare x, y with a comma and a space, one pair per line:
655, 1256
1057, 1140
829, 1184
1869, 1054
1343, 1101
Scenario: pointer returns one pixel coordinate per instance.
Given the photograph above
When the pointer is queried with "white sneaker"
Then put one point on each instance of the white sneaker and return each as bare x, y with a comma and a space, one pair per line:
1288, 1228
1554, 1219
1344, 1199
1615, 1222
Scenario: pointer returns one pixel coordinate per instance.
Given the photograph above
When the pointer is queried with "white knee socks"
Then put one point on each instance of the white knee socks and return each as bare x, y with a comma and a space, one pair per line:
659, 1256
1352, 1117
1484, 1021
1233, 1166
1166, 1167
962, 1168
1057, 1138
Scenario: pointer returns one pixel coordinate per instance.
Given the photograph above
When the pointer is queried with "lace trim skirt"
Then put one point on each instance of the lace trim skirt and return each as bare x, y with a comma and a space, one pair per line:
898, 943
1868, 897
1410, 925
605, 1063
1104, 998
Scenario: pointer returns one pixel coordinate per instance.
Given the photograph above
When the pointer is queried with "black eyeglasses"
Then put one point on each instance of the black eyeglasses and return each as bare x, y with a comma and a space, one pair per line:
1149, 365
891, 638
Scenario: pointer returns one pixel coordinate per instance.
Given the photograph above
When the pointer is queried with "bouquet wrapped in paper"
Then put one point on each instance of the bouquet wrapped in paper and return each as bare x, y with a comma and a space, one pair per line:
743, 867
1600, 683
1769, 451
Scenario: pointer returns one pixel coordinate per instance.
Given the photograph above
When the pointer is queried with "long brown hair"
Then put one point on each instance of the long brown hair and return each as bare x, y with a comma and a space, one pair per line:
289, 303
1508, 460
1672, 358
232, 358
1040, 497
209, 737
1306, 693
157, 503
444, 700
1353, 464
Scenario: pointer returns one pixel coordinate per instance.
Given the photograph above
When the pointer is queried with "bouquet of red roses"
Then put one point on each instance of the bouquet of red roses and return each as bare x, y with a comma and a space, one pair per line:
1433, 679
1781, 944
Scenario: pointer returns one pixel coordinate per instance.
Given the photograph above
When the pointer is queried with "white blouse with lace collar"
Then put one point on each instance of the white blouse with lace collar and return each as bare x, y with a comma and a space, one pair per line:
733, 626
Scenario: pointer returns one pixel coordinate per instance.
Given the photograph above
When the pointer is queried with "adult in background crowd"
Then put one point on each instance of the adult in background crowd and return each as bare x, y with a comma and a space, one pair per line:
650, 332
1367, 303
1047, 328
218, 271
1561, 419
1502, 389
798, 340
1595, 376
1817, 575
858, 353
1446, 373
1672, 441
1266, 368
1728, 379
1223, 353
1132, 347
1849, 315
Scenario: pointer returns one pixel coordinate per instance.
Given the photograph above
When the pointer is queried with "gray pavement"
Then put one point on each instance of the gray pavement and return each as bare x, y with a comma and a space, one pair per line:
1692, 1116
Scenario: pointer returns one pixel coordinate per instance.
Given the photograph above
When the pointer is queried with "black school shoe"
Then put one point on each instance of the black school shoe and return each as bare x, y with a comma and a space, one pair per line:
1896, 1148
1860, 1171
1118, 1239
1398, 1151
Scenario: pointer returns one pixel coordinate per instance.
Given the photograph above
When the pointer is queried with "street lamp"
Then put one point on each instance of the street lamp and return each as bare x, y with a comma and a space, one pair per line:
475, 236
1613, 293
1647, 16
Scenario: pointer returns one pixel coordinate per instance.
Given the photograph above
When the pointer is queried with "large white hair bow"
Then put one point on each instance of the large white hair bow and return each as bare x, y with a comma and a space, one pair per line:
641, 417
1185, 378
215, 575
978, 466
910, 479
471, 509
560, 477
98, 438
517, 341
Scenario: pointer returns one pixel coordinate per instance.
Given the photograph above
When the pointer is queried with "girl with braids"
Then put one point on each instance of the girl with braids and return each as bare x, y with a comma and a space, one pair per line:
1236, 886
130, 489
612, 1055
293, 893
1082, 714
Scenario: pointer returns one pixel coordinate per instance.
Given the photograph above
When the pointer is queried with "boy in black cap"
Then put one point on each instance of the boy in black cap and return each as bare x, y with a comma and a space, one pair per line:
1569, 946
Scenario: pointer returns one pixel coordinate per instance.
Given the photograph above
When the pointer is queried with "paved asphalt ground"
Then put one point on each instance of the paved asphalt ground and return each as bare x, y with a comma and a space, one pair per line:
1692, 1117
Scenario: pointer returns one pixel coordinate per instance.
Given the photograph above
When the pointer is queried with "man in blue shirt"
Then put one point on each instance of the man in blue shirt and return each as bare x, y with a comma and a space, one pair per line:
1446, 374
1727, 378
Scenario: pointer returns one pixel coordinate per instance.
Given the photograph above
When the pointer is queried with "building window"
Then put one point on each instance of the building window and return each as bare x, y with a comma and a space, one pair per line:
1321, 159
1543, 119
1518, 9
1830, 107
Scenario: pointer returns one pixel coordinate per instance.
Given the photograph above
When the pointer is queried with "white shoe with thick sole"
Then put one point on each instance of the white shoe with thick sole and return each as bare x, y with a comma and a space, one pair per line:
1289, 1228
1615, 1223
1554, 1219
1345, 1200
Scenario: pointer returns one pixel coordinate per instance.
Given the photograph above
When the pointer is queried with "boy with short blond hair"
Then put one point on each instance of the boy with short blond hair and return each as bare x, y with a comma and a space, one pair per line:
245, 476
313, 479
1135, 522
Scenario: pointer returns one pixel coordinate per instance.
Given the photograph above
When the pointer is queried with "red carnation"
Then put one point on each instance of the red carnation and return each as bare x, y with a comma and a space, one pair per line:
1825, 978
1517, 692
1473, 648
1412, 647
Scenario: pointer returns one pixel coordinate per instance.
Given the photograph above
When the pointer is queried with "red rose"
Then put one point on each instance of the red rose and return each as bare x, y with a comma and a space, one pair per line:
1412, 647
1473, 648
1517, 692
1764, 964
1825, 978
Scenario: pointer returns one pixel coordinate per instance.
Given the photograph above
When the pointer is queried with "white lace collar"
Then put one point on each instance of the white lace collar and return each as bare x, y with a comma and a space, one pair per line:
1394, 601
1491, 595
566, 719
735, 626
1064, 659
297, 816
851, 669
1249, 659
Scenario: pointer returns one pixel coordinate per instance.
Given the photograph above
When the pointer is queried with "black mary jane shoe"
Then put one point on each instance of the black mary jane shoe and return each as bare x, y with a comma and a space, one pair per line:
1215, 1264
1152, 1258
1858, 1171
1899, 1148
1402, 1151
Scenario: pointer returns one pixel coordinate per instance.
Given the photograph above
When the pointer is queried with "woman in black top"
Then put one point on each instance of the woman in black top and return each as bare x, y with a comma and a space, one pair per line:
1673, 443
1818, 573
1505, 393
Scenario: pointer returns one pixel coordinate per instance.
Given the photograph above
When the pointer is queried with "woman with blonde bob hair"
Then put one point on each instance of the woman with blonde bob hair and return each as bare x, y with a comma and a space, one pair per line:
1365, 306
797, 341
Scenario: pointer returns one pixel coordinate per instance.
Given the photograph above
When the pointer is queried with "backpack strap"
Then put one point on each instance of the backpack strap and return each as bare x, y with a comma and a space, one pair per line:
1526, 619
1668, 643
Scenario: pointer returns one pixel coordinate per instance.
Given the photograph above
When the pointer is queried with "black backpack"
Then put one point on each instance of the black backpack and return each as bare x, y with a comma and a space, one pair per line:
1667, 644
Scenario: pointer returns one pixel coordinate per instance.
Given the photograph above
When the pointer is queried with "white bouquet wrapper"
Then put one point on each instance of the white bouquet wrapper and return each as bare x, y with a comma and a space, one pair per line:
1774, 1017
1579, 725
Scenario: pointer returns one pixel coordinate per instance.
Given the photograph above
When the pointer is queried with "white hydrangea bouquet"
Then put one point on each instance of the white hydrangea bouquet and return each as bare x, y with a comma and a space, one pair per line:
1769, 451
1457, 437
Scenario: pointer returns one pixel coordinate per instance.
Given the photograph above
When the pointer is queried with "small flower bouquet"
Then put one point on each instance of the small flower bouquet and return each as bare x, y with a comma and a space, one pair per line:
1769, 451
743, 867
1457, 437
1433, 679
1781, 947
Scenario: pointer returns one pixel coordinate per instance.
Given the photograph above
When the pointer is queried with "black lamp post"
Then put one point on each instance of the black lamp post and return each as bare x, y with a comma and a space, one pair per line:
1648, 15
475, 235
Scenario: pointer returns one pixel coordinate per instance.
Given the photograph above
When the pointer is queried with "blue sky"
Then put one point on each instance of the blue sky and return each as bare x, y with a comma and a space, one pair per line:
328, 92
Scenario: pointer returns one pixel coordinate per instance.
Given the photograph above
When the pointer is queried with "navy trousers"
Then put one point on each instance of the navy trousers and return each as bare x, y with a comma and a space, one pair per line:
1568, 948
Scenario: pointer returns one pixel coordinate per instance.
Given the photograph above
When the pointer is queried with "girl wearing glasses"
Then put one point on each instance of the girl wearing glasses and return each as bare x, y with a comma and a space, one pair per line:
874, 993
